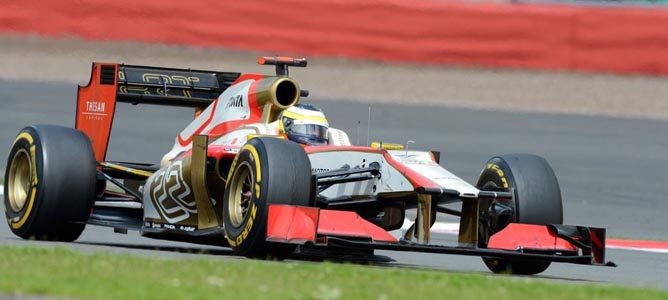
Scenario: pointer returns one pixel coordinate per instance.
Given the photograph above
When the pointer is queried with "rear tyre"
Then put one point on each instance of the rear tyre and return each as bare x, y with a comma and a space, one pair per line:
537, 201
49, 183
266, 171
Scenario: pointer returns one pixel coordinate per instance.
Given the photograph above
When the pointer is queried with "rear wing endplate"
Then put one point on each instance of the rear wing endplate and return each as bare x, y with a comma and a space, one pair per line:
111, 83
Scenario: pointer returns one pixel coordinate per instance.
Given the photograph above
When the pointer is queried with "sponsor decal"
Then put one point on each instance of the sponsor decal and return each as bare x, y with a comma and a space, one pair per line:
186, 228
94, 106
94, 110
172, 194
419, 162
169, 79
235, 101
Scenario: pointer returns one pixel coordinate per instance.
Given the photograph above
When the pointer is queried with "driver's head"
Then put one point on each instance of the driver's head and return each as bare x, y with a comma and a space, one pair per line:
305, 124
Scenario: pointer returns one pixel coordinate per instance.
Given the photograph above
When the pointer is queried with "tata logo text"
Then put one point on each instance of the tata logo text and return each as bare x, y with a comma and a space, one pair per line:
235, 101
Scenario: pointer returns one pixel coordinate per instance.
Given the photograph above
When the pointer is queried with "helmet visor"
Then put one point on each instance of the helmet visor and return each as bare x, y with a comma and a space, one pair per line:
311, 130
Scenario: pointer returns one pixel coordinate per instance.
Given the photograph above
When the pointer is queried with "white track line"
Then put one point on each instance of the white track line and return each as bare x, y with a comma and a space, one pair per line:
638, 249
439, 227
2, 189
453, 228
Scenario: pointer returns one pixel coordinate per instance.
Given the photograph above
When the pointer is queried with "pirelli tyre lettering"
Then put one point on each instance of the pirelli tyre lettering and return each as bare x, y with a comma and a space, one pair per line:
266, 171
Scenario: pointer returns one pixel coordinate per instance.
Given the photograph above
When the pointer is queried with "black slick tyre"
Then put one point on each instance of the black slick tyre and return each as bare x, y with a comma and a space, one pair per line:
537, 201
49, 183
265, 171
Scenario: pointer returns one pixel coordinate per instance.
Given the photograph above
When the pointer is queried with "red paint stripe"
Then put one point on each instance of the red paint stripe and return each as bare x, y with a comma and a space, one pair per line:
225, 127
415, 178
662, 245
206, 123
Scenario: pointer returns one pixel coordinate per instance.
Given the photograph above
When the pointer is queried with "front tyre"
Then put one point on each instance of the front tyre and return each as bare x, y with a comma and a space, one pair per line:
266, 171
537, 200
49, 183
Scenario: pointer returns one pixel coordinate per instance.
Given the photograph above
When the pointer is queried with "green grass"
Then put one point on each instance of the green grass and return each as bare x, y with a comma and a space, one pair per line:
64, 273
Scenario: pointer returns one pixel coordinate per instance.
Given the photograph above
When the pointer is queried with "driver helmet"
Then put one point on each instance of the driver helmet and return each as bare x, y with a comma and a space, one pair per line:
304, 123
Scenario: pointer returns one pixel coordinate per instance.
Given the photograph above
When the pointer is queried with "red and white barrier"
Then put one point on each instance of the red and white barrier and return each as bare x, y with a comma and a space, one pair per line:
625, 40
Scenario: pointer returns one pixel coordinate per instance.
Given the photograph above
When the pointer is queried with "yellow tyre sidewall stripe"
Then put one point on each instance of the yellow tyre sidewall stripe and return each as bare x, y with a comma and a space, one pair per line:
253, 210
33, 190
127, 169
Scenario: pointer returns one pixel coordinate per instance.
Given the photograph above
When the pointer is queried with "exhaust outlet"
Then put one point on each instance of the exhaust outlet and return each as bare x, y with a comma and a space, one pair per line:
276, 94
280, 92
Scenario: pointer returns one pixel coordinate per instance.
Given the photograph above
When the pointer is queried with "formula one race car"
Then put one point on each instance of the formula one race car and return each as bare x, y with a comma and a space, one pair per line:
264, 174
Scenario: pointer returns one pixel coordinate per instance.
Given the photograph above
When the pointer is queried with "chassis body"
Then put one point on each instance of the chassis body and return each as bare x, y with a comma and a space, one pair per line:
360, 193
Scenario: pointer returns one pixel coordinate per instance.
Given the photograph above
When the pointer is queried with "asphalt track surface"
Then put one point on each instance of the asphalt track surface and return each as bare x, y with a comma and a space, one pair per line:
612, 171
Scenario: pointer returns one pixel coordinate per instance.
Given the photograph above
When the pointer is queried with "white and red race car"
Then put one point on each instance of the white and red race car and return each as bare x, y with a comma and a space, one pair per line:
264, 174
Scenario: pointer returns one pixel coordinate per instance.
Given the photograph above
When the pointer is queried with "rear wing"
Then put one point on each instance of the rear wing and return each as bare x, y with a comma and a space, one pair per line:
111, 83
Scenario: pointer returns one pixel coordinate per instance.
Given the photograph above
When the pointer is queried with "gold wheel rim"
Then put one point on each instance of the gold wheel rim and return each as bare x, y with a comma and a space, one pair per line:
20, 175
241, 192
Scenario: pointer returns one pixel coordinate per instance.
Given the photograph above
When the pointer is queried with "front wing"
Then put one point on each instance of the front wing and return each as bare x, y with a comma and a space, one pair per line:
347, 230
